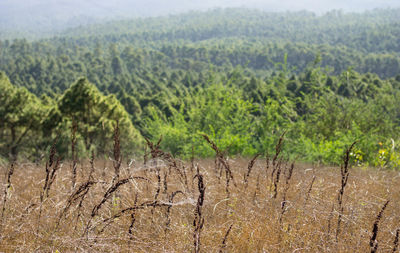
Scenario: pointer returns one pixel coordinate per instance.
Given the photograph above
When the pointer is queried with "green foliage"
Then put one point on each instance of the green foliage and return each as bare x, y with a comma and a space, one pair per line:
275, 119
96, 116
242, 77
388, 155
21, 114
217, 111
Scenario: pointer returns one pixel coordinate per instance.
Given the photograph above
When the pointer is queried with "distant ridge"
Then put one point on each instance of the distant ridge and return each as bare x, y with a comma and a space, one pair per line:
39, 18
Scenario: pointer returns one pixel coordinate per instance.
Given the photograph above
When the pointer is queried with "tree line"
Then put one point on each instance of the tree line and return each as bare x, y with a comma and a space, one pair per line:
241, 88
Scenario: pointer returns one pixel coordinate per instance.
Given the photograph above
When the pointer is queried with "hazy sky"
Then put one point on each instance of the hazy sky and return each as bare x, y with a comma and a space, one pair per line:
321, 5
48, 14
178, 5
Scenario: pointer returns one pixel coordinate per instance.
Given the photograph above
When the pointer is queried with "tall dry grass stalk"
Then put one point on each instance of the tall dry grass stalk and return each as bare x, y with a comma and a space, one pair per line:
7, 187
277, 163
157, 153
289, 173
52, 166
373, 243
73, 152
83, 190
249, 168
309, 190
344, 172
77, 195
117, 152
107, 195
171, 201
157, 211
133, 218
396, 241
278, 148
275, 176
198, 221
221, 160
223, 245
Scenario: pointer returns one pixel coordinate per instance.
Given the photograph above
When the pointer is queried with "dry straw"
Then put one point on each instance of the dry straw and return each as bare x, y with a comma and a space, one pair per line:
157, 209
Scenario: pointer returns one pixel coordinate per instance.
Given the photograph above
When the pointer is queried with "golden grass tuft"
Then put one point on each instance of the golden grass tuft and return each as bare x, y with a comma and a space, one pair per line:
197, 213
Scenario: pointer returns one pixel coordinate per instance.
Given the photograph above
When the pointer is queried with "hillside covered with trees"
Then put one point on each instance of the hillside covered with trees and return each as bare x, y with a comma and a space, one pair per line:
243, 77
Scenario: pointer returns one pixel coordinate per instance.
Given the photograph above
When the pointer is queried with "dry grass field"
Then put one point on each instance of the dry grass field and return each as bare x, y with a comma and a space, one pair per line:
221, 205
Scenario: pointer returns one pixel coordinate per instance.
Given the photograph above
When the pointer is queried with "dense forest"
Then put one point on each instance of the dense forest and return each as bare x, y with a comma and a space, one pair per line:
243, 77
